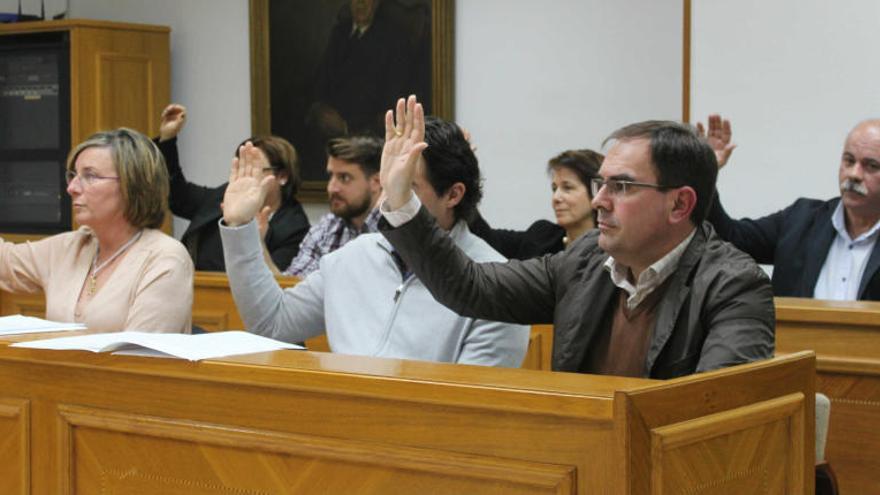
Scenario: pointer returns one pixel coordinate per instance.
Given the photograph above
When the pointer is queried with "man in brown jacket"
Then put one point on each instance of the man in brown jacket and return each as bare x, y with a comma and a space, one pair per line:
653, 292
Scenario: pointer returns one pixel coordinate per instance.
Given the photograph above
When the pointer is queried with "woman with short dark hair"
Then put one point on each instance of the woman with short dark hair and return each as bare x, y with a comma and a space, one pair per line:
570, 174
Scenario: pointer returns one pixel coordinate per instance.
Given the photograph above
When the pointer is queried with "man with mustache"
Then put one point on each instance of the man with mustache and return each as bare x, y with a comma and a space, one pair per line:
353, 190
653, 292
821, 249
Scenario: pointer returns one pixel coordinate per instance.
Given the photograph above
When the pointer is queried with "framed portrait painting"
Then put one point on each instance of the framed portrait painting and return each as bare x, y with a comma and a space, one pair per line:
330, 68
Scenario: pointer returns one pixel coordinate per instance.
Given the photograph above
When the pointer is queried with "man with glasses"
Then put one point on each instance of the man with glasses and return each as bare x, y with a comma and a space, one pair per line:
653, 292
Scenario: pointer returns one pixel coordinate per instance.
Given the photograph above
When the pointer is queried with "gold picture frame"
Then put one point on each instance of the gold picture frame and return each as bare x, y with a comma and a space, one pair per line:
441, 78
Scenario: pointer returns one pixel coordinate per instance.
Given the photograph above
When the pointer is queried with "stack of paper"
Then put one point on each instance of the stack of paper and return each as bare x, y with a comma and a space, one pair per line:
192, 347
10, 325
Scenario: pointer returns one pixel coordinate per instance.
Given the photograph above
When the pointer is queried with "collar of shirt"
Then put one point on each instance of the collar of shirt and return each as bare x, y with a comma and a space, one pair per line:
841, 275
649, 279
358, 31
371, 223
839, 223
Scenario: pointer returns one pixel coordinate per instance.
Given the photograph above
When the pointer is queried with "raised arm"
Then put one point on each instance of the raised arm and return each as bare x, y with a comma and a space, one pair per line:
521, 292
758, 237
173, 119
263, 227
516, 291
719, 137
185, 198
404, 143
247, 190
292, 315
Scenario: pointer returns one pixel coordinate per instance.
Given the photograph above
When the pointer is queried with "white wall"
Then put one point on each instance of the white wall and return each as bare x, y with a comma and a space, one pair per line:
794, 78
536, 78
532, 79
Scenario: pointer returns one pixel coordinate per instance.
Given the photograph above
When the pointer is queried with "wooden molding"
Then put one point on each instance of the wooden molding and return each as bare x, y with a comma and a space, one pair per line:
442, 75
260, 89
718, 395
686, 62
443, 58
281, 455
15, 451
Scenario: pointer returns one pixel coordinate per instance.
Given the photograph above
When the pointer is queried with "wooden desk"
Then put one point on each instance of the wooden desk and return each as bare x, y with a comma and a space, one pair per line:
303, 422
214, 310
846, 339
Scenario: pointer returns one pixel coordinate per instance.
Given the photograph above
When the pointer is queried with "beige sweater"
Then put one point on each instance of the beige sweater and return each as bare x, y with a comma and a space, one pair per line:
151, 288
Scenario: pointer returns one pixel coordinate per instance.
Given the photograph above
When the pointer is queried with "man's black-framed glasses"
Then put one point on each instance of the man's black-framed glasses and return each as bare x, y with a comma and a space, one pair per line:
619, 187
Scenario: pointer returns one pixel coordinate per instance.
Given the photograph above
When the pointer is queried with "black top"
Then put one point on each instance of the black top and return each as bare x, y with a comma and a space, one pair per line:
201, 206
542, 237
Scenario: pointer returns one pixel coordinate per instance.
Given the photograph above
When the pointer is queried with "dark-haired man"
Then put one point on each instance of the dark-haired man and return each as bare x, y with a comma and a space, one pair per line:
653, 292
362, 295
353, 190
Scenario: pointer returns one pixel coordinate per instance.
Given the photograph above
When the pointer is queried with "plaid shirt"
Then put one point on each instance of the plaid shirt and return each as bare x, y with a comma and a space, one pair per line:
330, 234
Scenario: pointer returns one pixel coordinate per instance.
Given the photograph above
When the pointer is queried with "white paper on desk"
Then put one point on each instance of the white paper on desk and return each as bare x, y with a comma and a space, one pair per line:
17, 324
191, 347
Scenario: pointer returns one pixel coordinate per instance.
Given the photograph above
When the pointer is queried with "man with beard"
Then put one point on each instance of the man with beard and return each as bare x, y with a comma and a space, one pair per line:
821, 249
363, 296
353, 190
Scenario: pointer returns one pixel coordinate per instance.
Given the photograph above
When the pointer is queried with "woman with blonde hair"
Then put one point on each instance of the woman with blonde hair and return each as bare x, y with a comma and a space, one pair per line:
117, 271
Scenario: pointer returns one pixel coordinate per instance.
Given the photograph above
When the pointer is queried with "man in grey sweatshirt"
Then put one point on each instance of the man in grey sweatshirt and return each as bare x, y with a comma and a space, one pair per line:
363, 295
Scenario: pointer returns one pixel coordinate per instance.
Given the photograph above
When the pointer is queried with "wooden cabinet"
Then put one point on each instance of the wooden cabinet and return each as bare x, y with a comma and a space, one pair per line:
116, 75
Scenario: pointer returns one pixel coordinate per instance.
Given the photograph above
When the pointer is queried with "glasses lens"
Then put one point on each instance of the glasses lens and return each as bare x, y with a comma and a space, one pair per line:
70, 175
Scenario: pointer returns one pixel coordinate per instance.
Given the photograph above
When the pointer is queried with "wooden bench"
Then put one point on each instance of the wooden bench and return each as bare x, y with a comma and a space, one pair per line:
846, 339
292, 422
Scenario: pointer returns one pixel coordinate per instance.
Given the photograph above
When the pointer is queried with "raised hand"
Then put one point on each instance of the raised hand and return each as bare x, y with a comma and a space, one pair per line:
718, 137
263, 221
248, 187
173, 119
404, 143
